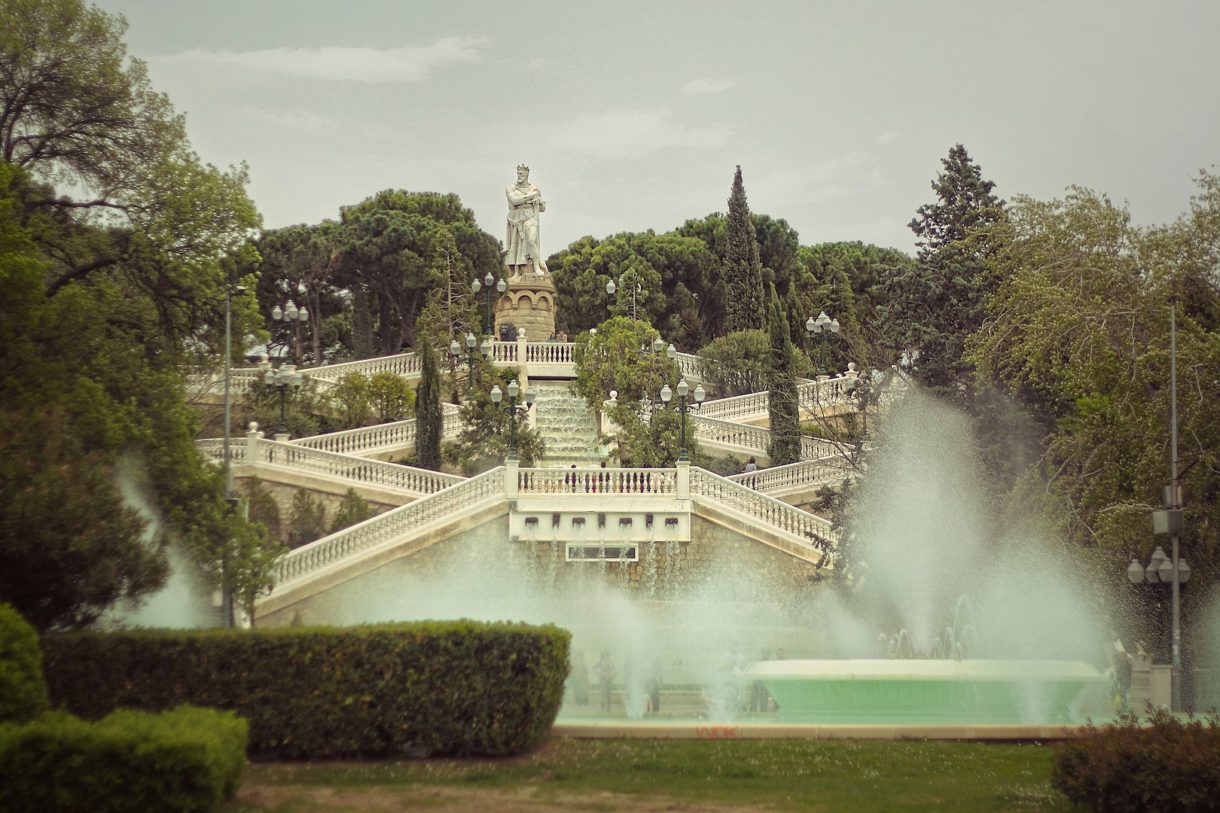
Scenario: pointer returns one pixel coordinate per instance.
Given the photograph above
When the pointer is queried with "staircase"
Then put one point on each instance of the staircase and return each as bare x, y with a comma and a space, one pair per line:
566, 424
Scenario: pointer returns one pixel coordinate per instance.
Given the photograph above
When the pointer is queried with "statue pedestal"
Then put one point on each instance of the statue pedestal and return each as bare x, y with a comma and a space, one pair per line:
529, 304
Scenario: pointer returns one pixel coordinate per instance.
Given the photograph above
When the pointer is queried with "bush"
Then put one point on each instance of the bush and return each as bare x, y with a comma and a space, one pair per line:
425, 688
187, 759
1125, 766
23, 694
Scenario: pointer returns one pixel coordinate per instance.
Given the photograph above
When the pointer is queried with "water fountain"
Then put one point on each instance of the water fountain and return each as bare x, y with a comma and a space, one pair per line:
1010, 657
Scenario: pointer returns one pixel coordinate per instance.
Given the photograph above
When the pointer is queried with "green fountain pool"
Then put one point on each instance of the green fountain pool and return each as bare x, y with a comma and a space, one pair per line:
933, 691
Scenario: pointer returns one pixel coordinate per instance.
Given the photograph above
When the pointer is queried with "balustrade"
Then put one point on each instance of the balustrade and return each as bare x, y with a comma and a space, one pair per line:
808, 528
214, 449
398, 525
596, 481
549, 352
803, 475
355, 469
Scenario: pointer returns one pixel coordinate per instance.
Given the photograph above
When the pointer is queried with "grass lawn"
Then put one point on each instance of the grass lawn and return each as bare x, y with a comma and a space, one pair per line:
674, 775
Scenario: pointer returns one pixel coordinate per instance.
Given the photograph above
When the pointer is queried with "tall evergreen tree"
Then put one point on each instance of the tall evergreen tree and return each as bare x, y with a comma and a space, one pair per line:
783, 406
745, 305
937, 305
428, 418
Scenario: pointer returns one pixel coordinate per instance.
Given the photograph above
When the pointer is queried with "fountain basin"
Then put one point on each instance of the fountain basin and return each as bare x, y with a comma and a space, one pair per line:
933, 691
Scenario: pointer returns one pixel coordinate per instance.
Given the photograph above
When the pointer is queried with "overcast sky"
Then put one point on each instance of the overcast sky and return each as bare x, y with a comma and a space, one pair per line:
633, 115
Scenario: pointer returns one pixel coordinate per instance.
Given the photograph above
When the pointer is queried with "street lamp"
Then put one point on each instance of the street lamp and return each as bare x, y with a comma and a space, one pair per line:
683, 390
821, 328
1171, 520
283, 378
1160, 570
635, 289
230, 500
487, 286
514, 389
293, 316
455, 350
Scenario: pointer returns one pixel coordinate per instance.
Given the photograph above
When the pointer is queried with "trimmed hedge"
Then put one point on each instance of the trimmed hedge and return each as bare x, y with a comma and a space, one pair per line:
1163, 765
187, 759
23, 694
453, 688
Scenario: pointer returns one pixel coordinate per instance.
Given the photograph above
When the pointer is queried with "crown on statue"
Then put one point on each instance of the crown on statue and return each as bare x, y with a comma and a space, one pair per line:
526, 167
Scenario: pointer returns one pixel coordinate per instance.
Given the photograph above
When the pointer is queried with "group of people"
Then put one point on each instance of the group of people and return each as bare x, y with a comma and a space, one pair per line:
558, 336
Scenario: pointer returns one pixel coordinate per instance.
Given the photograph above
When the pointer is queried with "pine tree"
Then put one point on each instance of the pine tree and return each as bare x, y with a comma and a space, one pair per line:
745, 308
936, 306
783, 406
428, 418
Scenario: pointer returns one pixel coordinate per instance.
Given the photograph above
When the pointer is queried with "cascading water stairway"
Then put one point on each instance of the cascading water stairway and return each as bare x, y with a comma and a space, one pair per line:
566, 424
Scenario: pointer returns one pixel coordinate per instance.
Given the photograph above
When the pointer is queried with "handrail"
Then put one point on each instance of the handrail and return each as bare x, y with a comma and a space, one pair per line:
599, 481
214, 448
756, 438
413, 517
366, 439
355, 469
805, 474
809, 529
549, 352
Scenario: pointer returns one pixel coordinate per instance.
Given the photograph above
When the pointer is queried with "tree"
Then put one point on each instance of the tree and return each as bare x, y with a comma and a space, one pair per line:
1077, 334
429, 420
352, 510
306, 520
391, 397
621, 357
738, 363
483, 441
69, 546
783, 406
301, 262
75, 110
937, 306
745, 306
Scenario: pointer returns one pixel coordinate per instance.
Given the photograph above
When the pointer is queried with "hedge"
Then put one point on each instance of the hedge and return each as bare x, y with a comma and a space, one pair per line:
23, 694
1163, 764
444, 688
187, 759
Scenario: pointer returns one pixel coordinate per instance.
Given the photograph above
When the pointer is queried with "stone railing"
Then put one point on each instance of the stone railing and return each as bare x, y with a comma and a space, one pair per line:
691, 366
504, 353
369, 439
214, 449
773, 514
747, 438
826, 392
806, 474
404, 364
407, 479
729, 433
549, 352
393, 526
599, 481
750, 405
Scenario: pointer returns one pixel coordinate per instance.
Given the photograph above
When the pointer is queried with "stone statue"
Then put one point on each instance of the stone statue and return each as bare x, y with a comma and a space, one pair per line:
522, 246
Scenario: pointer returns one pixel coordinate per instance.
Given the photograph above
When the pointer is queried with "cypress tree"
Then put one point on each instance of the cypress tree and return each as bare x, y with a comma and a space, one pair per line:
745, 308
428, 417
783, 406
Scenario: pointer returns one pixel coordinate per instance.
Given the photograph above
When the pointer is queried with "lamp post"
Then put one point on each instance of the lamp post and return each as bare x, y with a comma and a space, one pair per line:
1170, 520
283, 378
488, 284
1160, 570
636, 289
683, 390
514, 390
821, 328
455, 350
294, 317
230, 500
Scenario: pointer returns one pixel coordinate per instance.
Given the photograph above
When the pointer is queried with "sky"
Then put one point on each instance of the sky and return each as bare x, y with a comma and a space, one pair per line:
633, 115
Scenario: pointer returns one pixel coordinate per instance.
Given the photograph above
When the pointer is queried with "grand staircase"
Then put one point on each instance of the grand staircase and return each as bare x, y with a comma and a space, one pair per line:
565, 422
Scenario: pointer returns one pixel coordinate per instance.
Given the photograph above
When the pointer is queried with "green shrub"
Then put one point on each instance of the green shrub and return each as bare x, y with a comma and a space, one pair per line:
1125, 766
23, 694
426, 688
187, 759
